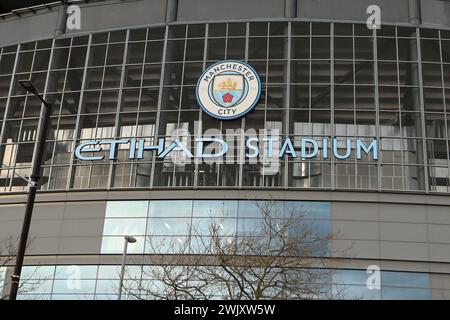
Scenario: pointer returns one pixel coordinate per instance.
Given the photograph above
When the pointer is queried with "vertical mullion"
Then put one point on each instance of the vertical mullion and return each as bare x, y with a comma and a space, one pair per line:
261, 178
422, 111
200, 122
355, 114
42, 113
158, 109
288, 97
242, 138
77, 131
447, 138
399, 109
134, 165
183, 62
7, 111
119, 106
97, 115
20, 132
377, 104
333, 126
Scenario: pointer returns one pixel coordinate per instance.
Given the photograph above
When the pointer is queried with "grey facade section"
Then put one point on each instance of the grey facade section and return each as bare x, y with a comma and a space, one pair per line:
391, 11
206, 10
115, 14
120, 14
37, 26
435, 13
406, 229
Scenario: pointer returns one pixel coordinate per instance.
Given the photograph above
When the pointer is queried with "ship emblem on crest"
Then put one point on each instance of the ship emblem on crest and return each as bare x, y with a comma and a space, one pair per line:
228, 89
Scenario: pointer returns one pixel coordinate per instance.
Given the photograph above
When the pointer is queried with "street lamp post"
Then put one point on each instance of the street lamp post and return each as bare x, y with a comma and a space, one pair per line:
34, 180
127, 239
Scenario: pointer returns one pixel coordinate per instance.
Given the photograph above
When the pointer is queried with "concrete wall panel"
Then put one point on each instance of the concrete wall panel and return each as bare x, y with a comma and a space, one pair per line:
206, 10
356, 249
45, 228
404, 250
356, 230
12, 212
392, 11
415, 232
439, 233
354, 211
80, 245
120, 14
82, 227
85, 210
33, 27
402, 213
48, 211
435, 12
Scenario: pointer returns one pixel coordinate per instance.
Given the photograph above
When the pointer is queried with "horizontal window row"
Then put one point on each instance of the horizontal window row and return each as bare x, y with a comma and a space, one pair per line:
142, 282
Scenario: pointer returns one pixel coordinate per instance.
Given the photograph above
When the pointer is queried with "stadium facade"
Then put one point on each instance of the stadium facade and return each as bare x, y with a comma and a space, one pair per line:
329, 85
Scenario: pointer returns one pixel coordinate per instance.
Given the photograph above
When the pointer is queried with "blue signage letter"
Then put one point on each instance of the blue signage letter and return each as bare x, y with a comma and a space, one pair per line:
360, 145
80, 147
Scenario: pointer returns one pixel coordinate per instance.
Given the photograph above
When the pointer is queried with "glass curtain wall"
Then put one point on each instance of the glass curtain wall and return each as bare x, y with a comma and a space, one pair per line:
320, 80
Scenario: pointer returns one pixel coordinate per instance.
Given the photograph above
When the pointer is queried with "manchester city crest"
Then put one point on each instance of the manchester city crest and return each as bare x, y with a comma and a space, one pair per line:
228, 89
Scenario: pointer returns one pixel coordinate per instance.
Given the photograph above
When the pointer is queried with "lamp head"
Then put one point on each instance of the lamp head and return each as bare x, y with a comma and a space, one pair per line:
130, 239
28, 86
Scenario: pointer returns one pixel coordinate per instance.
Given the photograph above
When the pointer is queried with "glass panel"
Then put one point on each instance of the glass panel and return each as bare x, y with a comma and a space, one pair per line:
170, 208
215, 208
405, 279
126, 209
75, 272
125, 227
406, 294
74, 286
168, 226
115, 245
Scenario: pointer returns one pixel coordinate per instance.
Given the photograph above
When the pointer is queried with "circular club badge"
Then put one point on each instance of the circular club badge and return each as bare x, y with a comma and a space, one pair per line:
228, 90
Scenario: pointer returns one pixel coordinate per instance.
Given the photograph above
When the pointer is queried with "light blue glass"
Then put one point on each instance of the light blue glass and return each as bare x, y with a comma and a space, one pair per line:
354, 292
124, 227
106, 296
318, 229
76, 271
350, 277
108, 286
168, 226
133, 272
116, 244
170, 208
391, 293
203, 245
405, 279
167, 244
74, 286
126, 209
308, 209
2, 278
249, 226
215, 208
72, 297
257, 209
37, 272
39, 296
109, 272
36, 286
206, 226
148, 272
260, 227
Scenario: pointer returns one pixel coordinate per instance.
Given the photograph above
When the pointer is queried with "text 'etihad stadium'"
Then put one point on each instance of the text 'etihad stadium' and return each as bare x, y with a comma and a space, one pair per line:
212, 147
